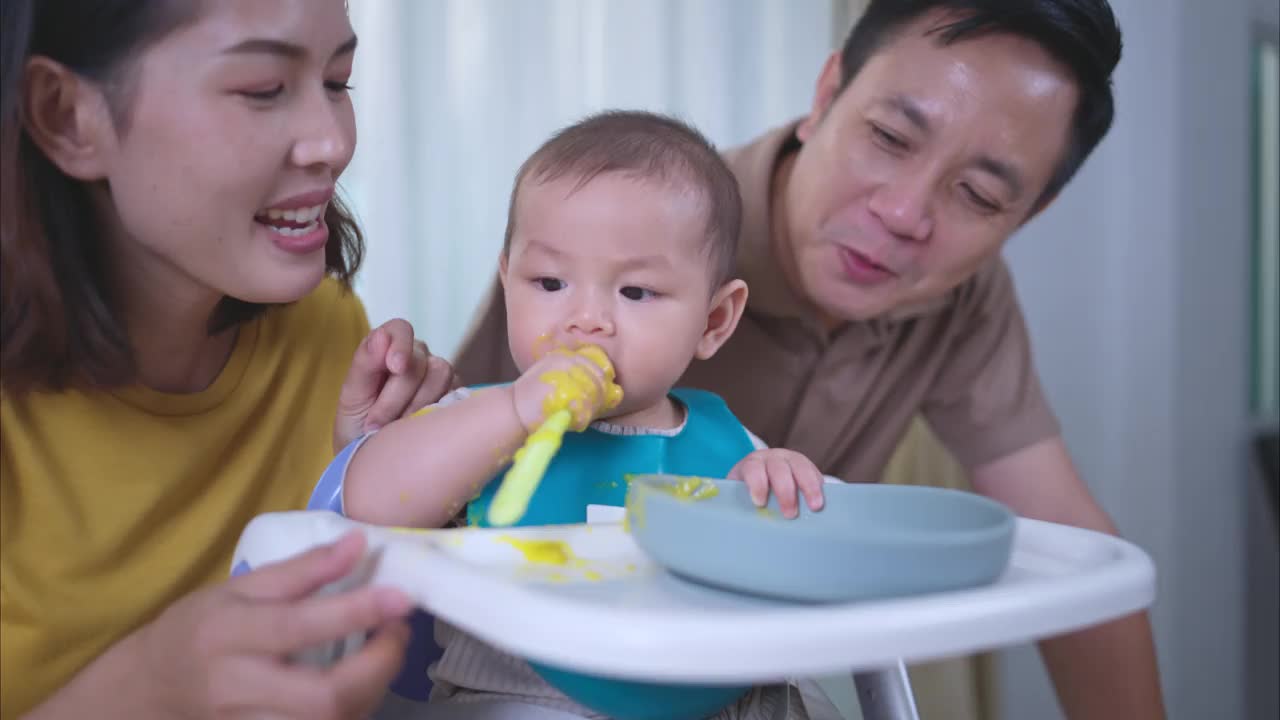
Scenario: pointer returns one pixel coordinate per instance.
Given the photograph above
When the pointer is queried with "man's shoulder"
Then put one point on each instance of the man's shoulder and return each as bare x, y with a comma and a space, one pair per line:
757, 155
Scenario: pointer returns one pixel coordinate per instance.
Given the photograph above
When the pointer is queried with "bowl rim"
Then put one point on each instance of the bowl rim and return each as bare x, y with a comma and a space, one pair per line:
997, 530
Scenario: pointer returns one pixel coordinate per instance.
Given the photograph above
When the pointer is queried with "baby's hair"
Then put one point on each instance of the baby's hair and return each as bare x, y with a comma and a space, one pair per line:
647, 146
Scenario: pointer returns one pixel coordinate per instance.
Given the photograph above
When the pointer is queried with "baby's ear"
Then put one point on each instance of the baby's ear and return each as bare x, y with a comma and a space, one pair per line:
726, 310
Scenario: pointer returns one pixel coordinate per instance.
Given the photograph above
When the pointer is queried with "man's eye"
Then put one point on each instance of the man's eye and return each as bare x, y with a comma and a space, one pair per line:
550, 284
637, 293
979, 201
888, 139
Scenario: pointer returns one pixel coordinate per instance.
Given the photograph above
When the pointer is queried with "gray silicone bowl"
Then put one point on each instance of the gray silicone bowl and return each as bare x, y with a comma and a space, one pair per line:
869, 541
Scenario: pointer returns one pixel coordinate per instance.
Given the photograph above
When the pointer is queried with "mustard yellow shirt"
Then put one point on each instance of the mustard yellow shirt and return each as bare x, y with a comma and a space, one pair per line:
115, 504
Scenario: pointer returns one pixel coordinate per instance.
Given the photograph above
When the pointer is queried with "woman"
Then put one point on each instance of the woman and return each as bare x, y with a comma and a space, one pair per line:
181, 352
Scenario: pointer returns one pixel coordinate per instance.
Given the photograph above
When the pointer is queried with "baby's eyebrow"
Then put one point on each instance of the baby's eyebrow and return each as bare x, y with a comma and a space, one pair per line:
644, 262
534, 243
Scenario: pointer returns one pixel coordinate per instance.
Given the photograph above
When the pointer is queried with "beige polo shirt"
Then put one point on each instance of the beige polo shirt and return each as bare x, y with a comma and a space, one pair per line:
846, 398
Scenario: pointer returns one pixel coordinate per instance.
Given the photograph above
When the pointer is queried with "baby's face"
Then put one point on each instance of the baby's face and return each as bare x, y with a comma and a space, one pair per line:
621, 263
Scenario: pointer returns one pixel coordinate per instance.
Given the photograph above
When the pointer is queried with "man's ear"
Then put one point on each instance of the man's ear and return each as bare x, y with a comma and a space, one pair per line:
68, 118
824, 94
726, 310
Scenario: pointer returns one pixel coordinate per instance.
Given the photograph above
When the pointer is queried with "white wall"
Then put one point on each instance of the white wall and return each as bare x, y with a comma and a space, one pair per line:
1135, 283
1267, 12
452, 95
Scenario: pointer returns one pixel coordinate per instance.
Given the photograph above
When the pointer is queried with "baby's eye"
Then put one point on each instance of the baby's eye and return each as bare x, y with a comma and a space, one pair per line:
637, 293
550, 284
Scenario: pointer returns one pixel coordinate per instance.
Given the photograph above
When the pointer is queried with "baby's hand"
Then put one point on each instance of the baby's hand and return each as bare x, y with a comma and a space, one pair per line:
581, 381
781, 472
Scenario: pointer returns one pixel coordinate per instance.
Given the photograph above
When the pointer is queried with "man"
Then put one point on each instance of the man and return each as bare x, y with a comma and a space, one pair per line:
871, 243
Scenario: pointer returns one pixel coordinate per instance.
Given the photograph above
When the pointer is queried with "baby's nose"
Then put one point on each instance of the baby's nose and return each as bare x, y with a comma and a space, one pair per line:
590, 321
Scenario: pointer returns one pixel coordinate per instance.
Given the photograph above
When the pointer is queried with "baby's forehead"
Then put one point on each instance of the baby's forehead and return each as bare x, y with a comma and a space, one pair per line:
616, 197
562, 186
614, 214
612, 252
616, 250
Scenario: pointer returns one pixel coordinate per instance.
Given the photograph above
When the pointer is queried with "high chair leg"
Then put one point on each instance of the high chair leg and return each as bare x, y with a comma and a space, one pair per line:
885, 694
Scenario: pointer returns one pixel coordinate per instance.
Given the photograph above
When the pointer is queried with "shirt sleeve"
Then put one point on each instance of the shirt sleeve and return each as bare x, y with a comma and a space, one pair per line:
328, 491
452, 398
987, 401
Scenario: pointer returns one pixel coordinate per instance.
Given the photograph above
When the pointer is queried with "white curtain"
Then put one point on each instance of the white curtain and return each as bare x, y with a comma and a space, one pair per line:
452, 95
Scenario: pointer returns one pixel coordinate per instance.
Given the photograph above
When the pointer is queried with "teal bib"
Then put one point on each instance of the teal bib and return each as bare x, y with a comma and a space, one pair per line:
591, 469
591, 466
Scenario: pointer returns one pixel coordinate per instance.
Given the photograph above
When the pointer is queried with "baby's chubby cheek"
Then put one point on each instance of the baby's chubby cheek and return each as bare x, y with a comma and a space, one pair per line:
542, 344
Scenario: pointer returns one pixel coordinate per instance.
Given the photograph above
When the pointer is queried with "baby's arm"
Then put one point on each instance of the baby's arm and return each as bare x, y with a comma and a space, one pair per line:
419, 471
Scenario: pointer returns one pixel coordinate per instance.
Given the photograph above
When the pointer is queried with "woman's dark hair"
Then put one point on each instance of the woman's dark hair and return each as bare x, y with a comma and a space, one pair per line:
58, 327
1080, 34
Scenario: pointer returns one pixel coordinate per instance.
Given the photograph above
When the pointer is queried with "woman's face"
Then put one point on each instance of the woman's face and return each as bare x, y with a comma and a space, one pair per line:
235, 131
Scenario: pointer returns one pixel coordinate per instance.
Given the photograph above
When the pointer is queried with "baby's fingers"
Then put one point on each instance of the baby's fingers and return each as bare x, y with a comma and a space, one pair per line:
809, 478
752, 472
783, 484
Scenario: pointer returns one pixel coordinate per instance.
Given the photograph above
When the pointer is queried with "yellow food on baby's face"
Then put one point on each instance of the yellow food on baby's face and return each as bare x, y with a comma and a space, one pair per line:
542, 345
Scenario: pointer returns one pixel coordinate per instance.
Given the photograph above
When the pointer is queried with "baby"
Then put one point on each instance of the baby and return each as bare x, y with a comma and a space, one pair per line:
620, 238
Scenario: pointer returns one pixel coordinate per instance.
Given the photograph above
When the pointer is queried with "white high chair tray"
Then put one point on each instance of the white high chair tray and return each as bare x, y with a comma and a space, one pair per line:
612, 611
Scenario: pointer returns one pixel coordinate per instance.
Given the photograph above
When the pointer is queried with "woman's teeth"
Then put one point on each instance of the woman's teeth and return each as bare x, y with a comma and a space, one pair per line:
299, 215
293, 222
296, 231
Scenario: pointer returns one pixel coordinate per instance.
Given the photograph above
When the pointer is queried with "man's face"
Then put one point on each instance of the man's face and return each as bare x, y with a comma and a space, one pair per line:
915, 174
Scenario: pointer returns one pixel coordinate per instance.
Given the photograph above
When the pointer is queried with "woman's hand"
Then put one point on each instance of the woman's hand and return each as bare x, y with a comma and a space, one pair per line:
392, 375
223, 652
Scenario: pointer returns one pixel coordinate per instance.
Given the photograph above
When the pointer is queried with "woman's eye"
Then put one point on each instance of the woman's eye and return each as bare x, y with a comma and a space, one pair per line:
270, 94
636, 293
550, 284
339, 87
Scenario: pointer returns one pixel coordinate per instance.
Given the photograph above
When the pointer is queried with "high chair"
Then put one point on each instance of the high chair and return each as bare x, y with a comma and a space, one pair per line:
647, 625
